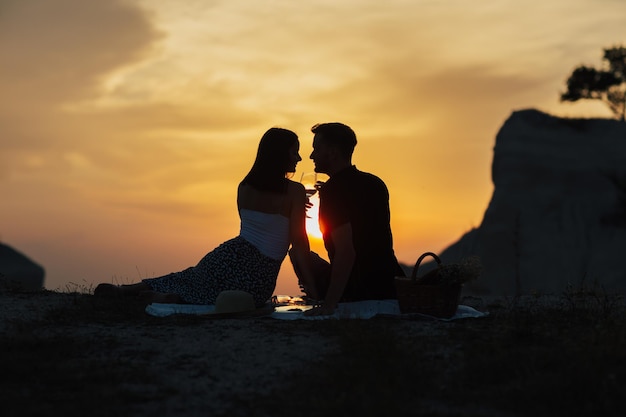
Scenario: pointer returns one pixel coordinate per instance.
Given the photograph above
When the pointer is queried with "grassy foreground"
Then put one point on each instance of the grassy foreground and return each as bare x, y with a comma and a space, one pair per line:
540, 356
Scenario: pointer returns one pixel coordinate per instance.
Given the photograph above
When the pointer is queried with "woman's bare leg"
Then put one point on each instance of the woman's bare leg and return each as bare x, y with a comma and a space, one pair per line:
134, 289
159, 297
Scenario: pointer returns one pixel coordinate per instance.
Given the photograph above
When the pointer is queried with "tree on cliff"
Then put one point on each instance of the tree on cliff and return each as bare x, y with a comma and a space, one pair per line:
607, 84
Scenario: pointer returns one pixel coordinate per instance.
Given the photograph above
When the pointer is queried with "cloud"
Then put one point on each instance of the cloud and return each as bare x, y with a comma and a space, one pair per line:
59, 50
56, 52
58, 57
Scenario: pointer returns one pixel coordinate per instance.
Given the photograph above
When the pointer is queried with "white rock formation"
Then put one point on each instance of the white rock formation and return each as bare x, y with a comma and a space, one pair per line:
19, 272
555, 217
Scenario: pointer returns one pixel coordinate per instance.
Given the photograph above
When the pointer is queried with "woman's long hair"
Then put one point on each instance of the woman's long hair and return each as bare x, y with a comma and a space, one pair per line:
272, 161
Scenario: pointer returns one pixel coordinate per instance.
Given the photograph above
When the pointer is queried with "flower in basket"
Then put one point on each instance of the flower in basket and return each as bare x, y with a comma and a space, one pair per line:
468, 269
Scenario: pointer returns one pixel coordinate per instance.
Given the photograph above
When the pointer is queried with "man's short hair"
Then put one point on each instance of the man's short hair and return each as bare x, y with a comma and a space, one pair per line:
338, 135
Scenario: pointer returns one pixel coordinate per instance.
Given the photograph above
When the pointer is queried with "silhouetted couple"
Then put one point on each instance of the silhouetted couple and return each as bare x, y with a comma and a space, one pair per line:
354, 219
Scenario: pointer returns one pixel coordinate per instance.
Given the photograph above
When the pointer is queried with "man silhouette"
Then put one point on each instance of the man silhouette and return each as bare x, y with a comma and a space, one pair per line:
354, 219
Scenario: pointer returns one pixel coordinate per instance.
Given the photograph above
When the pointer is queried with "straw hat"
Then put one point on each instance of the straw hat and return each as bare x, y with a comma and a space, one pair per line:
236, 303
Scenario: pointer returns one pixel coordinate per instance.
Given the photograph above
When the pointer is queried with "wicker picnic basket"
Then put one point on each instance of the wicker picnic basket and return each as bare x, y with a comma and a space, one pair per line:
425, 296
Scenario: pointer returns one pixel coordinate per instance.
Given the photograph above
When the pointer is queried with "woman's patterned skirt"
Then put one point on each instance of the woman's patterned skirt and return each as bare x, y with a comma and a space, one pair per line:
234, 265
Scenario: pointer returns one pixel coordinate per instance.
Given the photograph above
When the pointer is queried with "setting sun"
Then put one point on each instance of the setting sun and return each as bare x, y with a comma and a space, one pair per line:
312, 221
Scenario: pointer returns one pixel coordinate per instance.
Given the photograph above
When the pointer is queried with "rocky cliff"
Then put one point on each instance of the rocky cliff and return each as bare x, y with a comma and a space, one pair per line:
558, 211
17, 271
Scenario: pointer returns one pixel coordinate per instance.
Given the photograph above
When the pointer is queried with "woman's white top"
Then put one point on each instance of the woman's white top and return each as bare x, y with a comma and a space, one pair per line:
268, 232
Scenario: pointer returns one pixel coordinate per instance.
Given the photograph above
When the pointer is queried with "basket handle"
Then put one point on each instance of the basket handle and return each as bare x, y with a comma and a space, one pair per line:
419, 261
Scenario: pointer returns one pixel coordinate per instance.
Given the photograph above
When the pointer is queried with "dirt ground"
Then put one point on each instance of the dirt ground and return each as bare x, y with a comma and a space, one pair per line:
73, 354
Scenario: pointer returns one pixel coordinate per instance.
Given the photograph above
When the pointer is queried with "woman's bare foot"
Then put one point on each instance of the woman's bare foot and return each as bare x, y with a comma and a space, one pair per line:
107, 290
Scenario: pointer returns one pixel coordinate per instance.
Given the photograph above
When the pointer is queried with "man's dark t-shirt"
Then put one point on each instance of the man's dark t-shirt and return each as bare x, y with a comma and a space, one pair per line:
361, 199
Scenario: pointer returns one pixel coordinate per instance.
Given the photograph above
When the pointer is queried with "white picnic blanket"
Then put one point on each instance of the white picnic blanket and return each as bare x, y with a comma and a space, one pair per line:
353, 310
164, 310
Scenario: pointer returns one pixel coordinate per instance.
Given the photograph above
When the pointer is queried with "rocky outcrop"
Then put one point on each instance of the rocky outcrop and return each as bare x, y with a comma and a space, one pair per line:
557, 216
19, 272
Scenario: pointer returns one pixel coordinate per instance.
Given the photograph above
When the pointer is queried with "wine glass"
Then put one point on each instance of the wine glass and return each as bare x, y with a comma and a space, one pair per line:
312, 182
309, 180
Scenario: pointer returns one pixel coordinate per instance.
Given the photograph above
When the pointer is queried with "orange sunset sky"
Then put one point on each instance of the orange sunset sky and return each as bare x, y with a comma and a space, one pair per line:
125, 126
